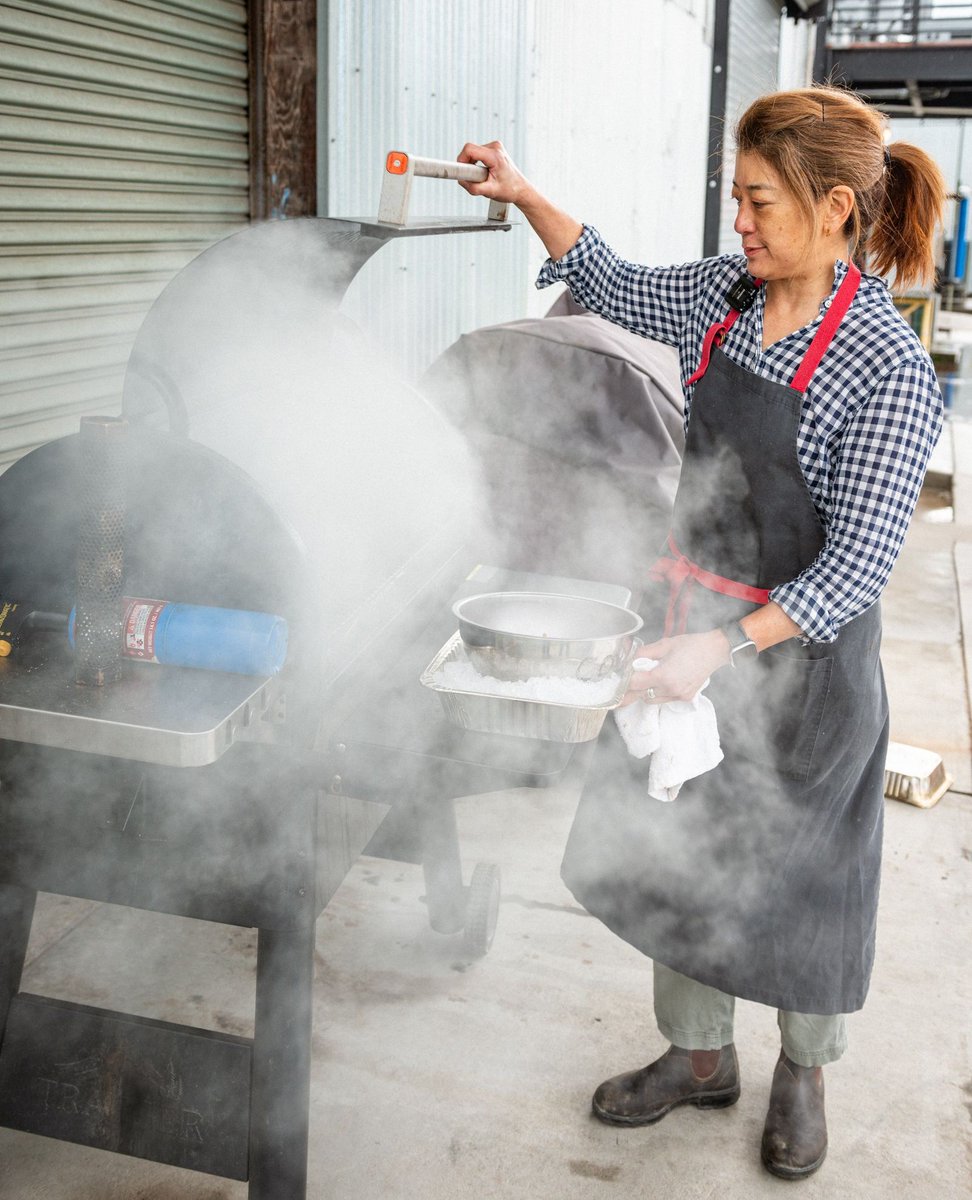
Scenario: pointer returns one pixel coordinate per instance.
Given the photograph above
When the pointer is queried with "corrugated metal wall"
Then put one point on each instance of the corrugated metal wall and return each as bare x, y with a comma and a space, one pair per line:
754, 40
598, 106
619, 105
123, 152
424, 77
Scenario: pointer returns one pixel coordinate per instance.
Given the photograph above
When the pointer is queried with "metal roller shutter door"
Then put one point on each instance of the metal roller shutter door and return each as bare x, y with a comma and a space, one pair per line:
123, 153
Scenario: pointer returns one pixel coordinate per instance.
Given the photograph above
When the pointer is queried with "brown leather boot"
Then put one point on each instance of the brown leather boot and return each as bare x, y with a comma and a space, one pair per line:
795, 1133
641, 1097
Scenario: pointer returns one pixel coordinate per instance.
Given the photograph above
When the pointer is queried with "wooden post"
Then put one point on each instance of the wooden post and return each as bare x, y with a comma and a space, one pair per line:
283, 108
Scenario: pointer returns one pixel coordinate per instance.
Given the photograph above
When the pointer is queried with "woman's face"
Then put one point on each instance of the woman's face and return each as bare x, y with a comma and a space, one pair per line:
775, 237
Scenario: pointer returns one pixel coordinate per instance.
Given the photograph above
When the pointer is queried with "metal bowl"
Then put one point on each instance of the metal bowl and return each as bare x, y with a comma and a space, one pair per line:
525, 635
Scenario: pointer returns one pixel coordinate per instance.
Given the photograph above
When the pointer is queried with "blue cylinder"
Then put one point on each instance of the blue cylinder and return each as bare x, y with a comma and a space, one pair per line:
960, 245
195, 635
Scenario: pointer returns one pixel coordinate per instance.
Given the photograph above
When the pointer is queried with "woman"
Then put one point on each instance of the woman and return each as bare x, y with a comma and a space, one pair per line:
811, 412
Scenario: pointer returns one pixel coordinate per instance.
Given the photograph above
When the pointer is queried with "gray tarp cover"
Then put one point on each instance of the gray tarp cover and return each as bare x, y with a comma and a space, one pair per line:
579, 428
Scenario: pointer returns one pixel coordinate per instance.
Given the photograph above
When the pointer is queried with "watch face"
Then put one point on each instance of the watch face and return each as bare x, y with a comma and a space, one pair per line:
741, 646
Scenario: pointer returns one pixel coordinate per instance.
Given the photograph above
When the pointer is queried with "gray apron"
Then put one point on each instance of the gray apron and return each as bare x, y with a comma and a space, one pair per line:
761, 878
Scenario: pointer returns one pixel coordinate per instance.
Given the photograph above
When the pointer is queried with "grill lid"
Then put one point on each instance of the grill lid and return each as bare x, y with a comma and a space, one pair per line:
245, 351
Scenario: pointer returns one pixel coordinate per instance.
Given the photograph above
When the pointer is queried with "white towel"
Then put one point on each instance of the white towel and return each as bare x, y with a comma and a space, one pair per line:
681, 736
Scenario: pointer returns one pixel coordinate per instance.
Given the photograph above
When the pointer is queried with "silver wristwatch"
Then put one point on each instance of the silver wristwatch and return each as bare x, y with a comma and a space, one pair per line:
742, 648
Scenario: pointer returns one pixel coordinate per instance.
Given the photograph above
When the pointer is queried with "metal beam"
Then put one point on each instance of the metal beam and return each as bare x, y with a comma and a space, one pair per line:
893, 64
821, 55
717, 122
323, 139
905, 111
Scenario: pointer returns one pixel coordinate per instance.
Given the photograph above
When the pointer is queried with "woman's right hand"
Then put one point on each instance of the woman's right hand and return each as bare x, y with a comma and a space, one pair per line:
683, 664
505, 183
556, 229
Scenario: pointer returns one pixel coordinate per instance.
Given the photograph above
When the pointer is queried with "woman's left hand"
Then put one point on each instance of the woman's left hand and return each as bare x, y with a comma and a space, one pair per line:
684, 664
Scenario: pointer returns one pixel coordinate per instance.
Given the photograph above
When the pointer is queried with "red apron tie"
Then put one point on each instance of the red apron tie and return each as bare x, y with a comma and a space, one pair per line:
680, 573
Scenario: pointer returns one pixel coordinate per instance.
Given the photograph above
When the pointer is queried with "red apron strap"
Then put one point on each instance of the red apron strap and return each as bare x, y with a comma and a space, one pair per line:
828, 327
682, 574
818, 347
715, 336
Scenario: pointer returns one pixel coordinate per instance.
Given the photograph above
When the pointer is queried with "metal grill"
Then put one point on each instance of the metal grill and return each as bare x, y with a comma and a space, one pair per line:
199, 793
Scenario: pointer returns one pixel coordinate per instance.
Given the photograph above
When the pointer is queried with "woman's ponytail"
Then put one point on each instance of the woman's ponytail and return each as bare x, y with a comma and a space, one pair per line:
911, 204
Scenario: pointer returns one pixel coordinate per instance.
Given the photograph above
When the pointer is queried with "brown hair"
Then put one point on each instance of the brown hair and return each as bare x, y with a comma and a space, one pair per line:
822, 137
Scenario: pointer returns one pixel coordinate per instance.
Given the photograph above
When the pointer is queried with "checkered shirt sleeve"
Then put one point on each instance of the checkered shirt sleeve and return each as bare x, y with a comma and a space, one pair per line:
870, 420
875, 478
656, 302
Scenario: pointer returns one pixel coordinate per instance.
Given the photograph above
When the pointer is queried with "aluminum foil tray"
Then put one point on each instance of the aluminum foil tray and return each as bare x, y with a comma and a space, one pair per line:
914, 775
484, 713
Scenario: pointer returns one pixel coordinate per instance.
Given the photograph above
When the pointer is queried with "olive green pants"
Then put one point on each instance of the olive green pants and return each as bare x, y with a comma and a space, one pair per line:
697, 1017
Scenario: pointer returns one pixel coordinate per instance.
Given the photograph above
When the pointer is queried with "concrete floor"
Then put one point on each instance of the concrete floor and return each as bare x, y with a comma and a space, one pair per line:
437, 1079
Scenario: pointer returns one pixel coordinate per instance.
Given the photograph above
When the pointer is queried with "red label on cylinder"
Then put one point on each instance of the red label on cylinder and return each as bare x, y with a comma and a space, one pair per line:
141, 621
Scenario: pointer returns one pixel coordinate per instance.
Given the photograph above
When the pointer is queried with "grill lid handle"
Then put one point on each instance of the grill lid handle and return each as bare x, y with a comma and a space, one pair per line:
401, 168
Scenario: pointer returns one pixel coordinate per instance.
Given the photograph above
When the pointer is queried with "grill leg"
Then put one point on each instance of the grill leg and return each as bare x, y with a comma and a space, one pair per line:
16, 914
442, 865
280, 1082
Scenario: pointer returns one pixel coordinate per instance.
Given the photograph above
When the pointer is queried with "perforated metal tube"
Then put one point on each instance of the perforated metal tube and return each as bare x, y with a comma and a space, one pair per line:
102, 472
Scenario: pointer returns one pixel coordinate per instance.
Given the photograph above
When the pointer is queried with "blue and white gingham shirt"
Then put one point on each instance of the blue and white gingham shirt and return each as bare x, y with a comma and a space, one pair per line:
871, 415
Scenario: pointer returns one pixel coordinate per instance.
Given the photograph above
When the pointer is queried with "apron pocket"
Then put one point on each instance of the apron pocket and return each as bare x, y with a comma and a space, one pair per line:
770, 710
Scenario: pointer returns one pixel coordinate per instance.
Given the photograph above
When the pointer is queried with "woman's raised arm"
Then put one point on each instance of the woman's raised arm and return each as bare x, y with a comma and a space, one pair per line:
556, 229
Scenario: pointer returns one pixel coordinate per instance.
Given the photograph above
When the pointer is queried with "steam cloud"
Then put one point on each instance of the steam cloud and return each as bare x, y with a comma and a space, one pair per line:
549, 446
